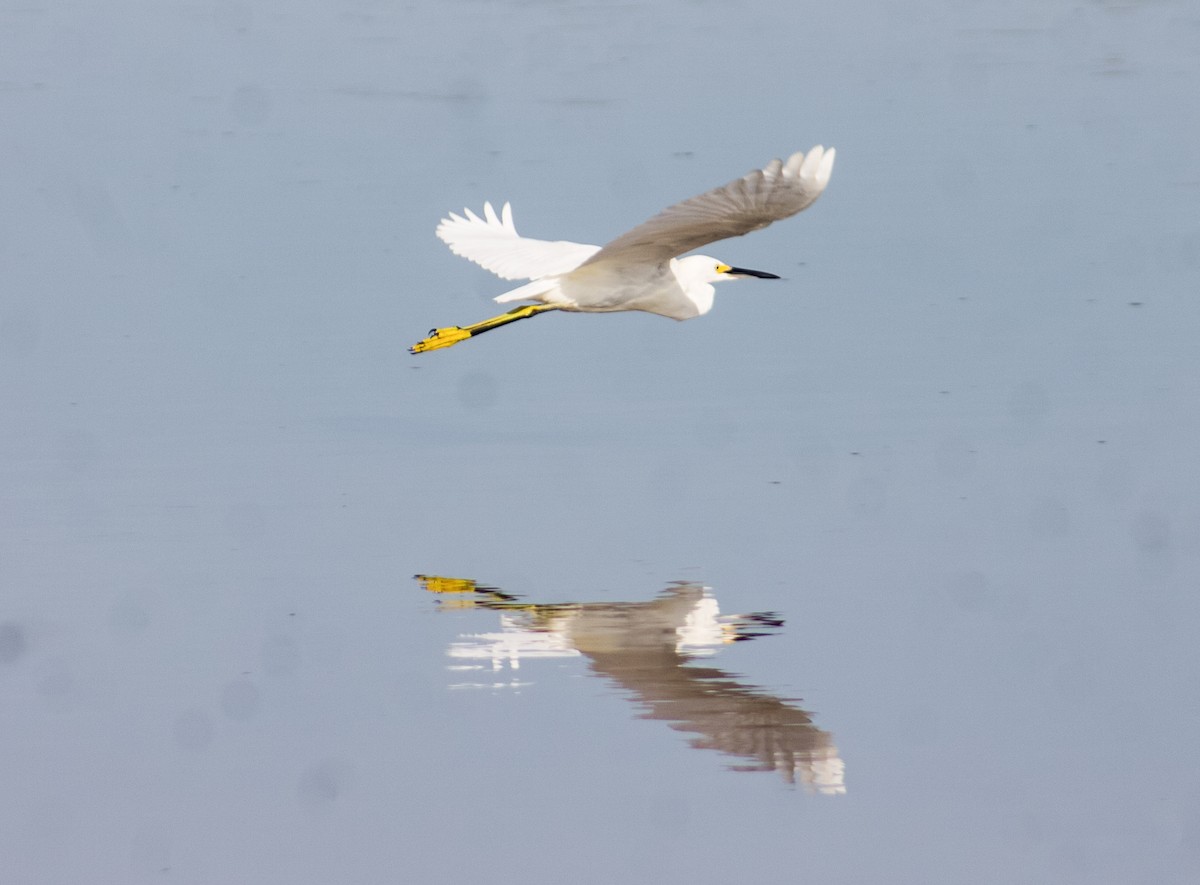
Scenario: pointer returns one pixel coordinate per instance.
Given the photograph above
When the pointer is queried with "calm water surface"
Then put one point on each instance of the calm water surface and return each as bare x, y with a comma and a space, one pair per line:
941, 478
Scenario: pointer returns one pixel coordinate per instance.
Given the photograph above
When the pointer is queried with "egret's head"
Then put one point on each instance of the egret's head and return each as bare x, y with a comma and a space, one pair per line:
713, 270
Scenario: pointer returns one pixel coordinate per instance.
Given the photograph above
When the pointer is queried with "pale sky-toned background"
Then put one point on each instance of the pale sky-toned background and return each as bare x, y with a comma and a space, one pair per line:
955, 448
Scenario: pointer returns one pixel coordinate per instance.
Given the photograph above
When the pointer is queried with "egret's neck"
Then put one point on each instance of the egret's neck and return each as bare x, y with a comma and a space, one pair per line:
694, 283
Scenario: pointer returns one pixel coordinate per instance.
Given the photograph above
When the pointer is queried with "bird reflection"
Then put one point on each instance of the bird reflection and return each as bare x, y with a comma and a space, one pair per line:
647, 648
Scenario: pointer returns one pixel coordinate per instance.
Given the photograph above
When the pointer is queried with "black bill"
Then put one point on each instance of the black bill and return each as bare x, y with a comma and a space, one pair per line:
743, 272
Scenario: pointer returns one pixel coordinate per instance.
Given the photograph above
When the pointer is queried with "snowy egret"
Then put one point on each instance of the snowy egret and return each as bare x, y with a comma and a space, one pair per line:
639, 270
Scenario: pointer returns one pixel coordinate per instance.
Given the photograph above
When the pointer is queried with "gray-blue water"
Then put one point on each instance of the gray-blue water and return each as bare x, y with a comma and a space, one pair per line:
953, 452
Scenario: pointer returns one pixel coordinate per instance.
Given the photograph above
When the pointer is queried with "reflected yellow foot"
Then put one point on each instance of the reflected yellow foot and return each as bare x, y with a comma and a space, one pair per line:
440, 338
441, 584
466, 593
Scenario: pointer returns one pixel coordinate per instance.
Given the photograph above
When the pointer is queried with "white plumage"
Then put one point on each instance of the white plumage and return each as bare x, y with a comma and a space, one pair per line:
639, 270
493, 243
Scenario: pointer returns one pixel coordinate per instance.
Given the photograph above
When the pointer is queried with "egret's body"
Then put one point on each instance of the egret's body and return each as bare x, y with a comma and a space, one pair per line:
639, 270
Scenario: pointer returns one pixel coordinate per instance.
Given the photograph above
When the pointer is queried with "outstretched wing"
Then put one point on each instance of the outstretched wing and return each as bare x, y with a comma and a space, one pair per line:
777, 191
493, 243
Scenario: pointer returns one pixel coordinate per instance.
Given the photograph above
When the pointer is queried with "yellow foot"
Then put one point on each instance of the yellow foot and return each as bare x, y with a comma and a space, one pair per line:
440, 338
441, 584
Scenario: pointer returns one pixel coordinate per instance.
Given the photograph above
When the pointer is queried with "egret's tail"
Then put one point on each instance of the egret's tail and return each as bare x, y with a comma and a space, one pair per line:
451, 335
529, 292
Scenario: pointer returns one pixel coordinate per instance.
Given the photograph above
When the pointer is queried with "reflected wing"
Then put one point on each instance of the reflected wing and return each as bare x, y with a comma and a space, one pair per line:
777, 191
722, 714
493, 243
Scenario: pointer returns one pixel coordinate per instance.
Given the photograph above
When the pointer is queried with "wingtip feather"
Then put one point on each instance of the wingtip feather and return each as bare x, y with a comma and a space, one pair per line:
811, 161
825, 170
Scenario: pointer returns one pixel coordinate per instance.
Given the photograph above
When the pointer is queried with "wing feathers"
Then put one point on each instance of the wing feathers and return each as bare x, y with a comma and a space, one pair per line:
764, 196
746, 204
493, 243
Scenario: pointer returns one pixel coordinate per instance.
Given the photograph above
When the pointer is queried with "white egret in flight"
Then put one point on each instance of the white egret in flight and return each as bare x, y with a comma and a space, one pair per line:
639, 270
